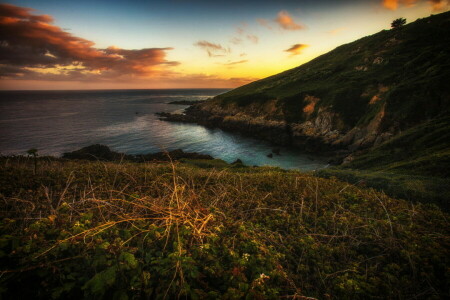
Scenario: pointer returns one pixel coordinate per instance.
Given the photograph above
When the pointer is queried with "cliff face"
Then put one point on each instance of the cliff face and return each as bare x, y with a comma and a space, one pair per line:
354, 97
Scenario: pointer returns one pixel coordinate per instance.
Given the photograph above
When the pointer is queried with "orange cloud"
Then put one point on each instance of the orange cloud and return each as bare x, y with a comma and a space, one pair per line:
286, 22
435, 4
296, 49
30, 45
212, 49
393, 4
439, 4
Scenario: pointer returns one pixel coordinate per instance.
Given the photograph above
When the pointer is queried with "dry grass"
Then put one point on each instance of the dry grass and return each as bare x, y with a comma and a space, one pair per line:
310, 236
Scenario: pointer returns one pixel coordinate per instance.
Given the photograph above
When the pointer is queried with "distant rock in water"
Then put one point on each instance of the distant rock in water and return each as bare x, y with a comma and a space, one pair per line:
270, 155
103, 153
237, 161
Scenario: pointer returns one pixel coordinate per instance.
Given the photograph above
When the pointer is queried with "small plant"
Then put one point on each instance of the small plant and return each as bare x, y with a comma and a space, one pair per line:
397, 23
33, 152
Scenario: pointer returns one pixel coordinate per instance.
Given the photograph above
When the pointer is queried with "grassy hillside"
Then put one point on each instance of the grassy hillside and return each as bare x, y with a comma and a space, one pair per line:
403, 72
203, 229
421, 150
413, 165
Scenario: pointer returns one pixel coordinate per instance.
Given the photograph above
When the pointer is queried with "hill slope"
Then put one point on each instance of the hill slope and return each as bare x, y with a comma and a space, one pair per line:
356, 96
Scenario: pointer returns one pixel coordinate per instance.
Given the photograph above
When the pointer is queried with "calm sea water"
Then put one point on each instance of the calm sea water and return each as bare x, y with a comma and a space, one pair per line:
55, 122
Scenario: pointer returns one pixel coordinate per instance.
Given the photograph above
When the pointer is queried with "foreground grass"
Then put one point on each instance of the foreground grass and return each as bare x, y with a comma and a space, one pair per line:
210, 230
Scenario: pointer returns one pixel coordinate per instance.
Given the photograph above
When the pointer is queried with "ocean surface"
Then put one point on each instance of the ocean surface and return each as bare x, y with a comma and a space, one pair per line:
55, 122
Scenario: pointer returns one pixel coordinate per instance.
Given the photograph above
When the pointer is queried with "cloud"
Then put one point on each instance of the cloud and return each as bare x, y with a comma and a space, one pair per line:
242, 35
31, 45
265, 23
438, 5
395, 4
283, 20
236, 62
296, 49
212, 49
286, 22
253, 38
337, 31
236, 41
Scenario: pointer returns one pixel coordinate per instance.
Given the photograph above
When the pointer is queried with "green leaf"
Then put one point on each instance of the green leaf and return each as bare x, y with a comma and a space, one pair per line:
101, 281
129, 259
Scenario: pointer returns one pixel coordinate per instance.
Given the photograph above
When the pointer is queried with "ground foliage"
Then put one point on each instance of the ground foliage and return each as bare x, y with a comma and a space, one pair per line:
97, 230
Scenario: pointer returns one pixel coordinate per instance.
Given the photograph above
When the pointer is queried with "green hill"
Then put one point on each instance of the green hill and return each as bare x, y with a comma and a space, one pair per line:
356, 96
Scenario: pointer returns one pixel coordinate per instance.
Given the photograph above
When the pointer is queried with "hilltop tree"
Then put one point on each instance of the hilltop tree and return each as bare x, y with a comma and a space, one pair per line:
397, 23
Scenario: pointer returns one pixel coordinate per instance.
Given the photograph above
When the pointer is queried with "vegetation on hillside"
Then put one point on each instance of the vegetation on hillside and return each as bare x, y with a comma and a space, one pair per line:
403, 71
204, 229
413, 165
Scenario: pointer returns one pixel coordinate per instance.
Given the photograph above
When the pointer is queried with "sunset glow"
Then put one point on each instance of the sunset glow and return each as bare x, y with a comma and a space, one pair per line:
179, 44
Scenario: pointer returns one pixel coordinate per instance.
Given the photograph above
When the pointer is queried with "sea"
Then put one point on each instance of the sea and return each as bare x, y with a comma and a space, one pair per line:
55, 122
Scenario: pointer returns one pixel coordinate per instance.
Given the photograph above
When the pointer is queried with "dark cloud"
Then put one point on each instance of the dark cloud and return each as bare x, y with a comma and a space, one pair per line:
212, 49
29, 41
296, 49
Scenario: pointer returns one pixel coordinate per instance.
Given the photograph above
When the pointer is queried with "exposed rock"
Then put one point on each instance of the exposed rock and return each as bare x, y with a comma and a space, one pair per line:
270, 155
361, 68
377, 61
348, 159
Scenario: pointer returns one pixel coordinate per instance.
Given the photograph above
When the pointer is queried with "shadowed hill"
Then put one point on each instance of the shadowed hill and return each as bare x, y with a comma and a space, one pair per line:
354, 97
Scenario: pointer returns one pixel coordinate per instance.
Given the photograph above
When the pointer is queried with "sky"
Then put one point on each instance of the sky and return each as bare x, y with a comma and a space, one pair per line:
159, 44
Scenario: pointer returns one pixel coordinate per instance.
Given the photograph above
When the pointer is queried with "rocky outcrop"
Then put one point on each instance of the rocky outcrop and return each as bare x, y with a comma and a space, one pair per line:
322, 133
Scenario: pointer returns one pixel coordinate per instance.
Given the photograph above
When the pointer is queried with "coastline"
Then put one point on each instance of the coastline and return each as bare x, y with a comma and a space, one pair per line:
277, 132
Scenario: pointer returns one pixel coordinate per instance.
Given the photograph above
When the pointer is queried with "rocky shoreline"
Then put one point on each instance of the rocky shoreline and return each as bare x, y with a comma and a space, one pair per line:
318, 135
